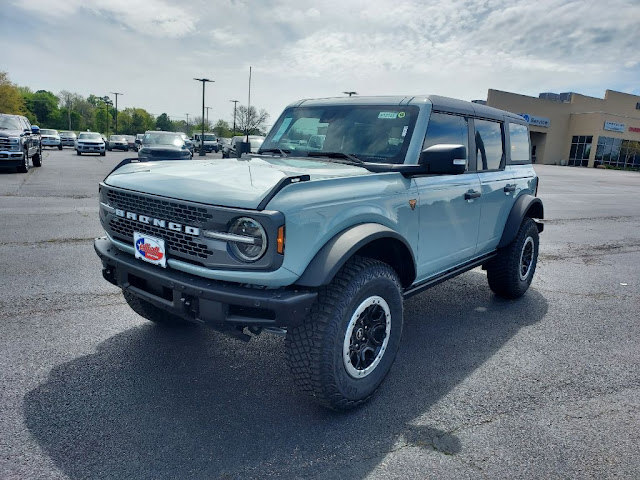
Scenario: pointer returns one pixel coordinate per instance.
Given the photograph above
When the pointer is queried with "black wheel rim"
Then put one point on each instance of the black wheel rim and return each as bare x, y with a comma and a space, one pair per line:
367, 337
526, 258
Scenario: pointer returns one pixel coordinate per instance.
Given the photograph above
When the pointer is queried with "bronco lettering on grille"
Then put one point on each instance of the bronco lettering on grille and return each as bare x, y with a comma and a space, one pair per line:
156, 222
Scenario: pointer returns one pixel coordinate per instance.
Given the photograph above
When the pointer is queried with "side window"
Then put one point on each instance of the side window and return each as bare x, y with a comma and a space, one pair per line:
489, 150
448, 129
519, 140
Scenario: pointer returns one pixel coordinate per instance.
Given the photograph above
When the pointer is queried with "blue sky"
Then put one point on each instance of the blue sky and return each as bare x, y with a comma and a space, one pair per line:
151, 50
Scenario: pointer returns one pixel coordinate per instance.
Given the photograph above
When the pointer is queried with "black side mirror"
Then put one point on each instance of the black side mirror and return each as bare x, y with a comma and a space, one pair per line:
444, 158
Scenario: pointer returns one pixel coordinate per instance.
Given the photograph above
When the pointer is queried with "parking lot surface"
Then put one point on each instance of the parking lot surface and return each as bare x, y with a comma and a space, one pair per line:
547, 386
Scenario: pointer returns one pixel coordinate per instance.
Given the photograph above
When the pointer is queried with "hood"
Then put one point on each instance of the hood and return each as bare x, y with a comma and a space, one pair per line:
10, 133
241, 183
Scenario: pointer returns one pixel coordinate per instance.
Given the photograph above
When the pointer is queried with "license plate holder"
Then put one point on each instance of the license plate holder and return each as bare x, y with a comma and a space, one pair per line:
150, 249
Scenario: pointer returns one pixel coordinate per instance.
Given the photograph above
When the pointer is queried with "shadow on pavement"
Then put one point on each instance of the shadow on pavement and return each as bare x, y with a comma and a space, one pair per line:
162, 403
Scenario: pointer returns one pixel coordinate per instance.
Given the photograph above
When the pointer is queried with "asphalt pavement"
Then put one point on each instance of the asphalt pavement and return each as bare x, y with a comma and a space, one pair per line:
547, 386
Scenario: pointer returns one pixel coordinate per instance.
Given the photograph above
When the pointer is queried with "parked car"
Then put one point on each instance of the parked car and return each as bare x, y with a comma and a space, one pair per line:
19, 142
90, 142
118, 142
325, 244
68, 139
188, 142
158, 145
131, 142
210, 141
50, 138
255, 142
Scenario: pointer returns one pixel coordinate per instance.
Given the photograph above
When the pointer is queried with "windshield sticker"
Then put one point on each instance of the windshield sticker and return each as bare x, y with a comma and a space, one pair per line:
282, 129
388, 115
404, 130
400, 114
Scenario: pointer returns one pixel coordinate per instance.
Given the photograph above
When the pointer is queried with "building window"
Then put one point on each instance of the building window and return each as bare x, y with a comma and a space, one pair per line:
618, 153
580, 150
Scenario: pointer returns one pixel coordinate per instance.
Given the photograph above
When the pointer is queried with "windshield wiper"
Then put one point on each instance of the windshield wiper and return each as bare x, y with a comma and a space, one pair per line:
352, 159
283, 153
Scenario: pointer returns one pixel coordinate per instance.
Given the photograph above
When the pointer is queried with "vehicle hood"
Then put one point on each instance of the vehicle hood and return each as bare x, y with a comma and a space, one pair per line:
241, 183
88, 140
10, 133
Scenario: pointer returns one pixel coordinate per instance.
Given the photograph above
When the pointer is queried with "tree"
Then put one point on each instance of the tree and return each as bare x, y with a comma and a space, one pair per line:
163, 122
103, 118
222, 129
67, 102
250, 121
11, 101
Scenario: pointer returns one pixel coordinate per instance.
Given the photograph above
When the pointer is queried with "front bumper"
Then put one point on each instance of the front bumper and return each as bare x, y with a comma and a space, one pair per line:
199, 299
11, 159
119, 147
90, 148
51, 143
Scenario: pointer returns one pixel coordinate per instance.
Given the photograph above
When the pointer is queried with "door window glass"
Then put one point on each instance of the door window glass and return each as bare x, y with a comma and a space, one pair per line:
519, 138
489, 150
447, 129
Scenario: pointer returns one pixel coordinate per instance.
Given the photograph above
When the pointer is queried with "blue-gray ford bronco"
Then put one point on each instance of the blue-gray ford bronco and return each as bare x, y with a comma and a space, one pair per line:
350, 206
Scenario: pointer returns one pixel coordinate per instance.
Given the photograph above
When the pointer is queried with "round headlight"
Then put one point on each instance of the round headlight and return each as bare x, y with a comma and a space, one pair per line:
255, 244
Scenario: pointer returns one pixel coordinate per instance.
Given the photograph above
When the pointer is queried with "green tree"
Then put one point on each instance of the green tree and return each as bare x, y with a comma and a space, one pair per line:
163, 122
222, 129
11, 100
102, 118
44, 106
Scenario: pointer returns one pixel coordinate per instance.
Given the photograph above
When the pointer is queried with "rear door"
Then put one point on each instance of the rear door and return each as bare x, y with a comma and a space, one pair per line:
496, 181
449, 205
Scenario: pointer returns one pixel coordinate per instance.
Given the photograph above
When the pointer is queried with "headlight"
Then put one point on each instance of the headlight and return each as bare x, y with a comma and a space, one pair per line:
246, 239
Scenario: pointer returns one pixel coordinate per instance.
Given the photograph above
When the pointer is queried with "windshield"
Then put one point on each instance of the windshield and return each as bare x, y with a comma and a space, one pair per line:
117, 138
210, 138
10, 123
89, 136
158, 138
68, 134
379, 133
45, 131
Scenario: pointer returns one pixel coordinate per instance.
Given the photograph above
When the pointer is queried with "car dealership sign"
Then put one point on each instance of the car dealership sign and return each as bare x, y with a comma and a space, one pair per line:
536, 121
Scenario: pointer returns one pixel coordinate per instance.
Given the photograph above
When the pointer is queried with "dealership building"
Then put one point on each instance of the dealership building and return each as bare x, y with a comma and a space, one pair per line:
573, 129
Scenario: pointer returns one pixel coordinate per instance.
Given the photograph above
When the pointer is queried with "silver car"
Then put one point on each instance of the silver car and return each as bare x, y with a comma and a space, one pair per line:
50, 138
90, 142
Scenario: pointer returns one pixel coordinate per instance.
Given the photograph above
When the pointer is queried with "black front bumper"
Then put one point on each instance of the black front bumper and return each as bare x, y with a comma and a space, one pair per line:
200, 299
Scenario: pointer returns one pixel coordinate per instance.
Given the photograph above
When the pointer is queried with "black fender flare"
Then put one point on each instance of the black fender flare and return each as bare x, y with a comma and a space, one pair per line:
335, 253
526, 206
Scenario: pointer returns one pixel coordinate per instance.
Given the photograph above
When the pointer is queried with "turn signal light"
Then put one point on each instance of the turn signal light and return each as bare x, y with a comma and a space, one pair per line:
280, 241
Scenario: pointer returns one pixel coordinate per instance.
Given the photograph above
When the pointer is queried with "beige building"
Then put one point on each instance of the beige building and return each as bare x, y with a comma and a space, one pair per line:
573, 129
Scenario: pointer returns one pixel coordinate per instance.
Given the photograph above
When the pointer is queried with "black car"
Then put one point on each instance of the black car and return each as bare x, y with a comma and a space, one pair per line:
163, 146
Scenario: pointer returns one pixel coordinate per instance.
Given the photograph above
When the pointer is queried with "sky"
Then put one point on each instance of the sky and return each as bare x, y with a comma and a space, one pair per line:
152, 49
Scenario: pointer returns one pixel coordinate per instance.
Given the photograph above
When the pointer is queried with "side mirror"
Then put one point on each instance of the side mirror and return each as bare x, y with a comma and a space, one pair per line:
35, 129
444, 158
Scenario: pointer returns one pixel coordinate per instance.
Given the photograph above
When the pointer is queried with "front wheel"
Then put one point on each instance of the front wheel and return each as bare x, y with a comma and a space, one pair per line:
59, 147
510, 273
344, 349
78, 152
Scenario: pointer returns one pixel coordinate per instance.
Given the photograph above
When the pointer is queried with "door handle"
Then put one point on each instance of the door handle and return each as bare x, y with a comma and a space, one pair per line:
471, 194
509, 188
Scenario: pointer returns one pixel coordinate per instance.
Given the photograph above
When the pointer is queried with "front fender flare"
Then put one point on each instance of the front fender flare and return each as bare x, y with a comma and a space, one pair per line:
526, 206
335, 253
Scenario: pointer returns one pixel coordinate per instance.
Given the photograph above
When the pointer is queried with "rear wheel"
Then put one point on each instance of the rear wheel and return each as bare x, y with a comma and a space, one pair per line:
510, 273
348, 342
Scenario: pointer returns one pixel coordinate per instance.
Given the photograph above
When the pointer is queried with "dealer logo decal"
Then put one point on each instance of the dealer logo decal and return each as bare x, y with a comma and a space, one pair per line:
148, 248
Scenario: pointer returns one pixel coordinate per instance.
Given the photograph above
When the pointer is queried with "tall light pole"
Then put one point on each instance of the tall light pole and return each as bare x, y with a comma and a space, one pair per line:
204, 81
116, 94
208, 108
235, 102
350, 93
187, 122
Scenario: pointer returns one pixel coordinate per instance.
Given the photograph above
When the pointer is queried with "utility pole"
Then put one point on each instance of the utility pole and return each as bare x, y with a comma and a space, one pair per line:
187, 122
248, 108
69, 109
116, 94
204, 81
350, 93
235, 102
208, 108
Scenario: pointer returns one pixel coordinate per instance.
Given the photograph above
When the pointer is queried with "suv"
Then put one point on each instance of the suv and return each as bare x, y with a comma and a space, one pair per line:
19, 141
90, 142
50, 138
68, 139
322, 239
118, 142
237, 143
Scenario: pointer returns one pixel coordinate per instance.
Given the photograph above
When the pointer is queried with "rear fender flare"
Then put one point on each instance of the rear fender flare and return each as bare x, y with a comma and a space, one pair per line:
526, 206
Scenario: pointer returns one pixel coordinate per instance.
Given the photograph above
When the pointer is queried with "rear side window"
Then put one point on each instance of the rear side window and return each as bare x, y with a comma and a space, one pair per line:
519, 140
489, 150
447, 129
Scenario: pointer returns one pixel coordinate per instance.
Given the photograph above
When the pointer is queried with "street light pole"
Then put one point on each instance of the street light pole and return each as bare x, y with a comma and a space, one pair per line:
116, 94
235, 102
203, 80
208, 108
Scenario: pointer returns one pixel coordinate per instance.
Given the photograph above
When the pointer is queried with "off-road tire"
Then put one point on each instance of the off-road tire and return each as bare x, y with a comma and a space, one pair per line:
24, 168
102, 154
151, 312
78, 152
315, 348
504, 272
37, 159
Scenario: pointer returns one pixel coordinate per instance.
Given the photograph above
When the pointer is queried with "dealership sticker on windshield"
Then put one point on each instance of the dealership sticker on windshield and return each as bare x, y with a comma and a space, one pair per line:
150, 249
388, 115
